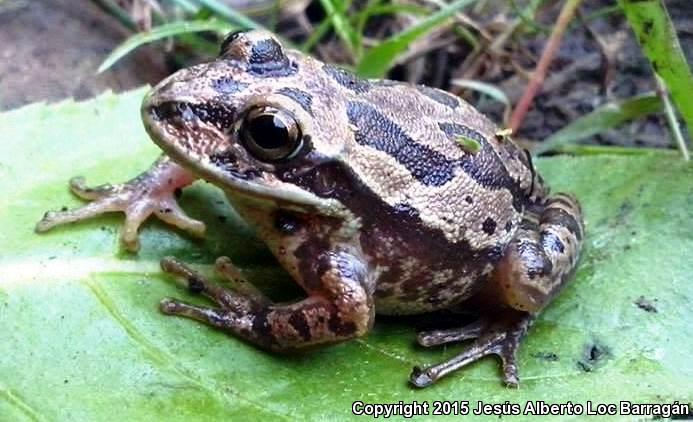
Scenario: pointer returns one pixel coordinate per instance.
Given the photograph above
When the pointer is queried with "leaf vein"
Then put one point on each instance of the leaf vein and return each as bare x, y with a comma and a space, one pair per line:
161, 357
16, 402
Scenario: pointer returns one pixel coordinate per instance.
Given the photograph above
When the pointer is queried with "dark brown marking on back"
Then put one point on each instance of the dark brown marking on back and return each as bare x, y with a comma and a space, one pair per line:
439, 96
377, 131
489, 226
347, 79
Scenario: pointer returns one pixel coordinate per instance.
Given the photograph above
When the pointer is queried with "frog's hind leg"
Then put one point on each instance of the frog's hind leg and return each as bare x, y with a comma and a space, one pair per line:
152, 192
247, 313
543, 255
536, 264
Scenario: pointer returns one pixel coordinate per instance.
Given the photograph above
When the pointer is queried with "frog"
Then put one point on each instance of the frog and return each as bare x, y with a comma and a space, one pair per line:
375, 196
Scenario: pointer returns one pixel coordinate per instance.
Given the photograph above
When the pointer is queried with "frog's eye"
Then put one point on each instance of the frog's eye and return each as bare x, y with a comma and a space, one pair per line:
270, 134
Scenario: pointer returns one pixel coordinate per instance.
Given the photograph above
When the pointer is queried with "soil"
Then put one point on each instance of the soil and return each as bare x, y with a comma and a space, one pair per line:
50, 50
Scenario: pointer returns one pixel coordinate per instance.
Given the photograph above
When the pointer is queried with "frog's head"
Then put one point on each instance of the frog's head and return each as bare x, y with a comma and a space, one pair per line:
254, 121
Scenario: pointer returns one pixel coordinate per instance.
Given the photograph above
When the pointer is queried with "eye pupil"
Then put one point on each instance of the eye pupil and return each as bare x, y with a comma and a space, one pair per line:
270, 134
268, 131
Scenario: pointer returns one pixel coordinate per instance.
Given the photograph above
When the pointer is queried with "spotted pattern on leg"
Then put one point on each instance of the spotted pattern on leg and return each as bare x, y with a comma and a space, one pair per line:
337, 307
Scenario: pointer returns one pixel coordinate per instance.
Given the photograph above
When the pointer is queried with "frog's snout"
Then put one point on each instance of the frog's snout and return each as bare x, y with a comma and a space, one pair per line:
182, 114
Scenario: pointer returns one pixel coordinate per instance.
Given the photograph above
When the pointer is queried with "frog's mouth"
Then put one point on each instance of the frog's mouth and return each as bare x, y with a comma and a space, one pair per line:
197, 137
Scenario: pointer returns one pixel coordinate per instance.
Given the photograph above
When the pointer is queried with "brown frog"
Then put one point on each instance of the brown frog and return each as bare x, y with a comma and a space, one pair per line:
376, 196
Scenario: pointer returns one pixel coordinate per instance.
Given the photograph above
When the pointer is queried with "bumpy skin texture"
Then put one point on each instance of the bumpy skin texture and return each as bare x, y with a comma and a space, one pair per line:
379, 206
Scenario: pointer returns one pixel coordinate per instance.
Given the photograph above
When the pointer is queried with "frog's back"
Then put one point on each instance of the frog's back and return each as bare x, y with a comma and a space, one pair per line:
417, 137
437, 215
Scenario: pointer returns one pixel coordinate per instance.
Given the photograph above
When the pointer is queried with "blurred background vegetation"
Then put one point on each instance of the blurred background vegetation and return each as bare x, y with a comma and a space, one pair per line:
557, 72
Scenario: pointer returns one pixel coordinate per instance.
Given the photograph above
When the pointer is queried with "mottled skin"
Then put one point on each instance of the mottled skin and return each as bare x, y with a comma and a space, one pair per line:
363, 191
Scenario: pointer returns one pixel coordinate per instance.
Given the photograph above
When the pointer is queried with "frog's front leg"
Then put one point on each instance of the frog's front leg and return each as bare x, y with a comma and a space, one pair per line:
338, 306
535, 266
152, 192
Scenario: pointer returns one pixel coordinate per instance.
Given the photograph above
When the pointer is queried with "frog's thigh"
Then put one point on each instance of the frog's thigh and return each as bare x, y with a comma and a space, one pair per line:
338, 307
542, 256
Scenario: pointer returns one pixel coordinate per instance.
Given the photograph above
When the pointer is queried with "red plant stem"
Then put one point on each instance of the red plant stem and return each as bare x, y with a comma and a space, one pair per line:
537, 79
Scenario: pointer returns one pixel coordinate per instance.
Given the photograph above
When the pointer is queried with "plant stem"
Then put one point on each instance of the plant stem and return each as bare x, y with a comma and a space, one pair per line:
554, 41
670, 114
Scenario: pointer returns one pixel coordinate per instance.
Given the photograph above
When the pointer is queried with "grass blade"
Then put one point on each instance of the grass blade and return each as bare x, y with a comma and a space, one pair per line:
657, 37
316, 35
484, 88
336, 13
187, 5
378, 60
225, 12
605, 117
160, 32
670, 115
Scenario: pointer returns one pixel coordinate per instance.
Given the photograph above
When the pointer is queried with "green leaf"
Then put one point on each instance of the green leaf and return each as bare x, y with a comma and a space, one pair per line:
160, 32
81, 337
657, 36
378, 60
605, 117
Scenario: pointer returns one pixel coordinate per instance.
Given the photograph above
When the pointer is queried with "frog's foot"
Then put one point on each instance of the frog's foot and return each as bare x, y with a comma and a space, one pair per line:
247, 313
152, 192
242, 294
500, 336
237, 309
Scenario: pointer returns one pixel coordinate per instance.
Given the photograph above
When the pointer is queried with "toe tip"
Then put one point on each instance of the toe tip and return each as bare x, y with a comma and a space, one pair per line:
167, 263
167, 306
420, 378
46, 222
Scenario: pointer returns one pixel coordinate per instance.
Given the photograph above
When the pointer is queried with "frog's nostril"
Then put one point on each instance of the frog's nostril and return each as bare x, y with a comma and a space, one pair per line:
164, 111
172, 110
